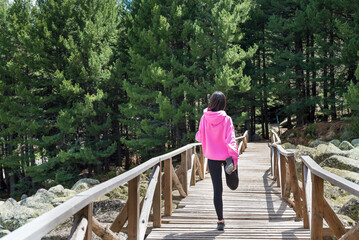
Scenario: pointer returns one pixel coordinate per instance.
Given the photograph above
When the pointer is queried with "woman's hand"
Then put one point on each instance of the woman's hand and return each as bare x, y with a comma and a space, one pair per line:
235, 168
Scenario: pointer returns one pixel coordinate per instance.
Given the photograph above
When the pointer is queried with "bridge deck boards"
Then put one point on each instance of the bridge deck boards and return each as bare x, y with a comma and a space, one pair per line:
253, 211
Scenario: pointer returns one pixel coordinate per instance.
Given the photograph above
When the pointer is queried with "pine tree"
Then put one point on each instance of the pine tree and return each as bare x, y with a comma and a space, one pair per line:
181, 51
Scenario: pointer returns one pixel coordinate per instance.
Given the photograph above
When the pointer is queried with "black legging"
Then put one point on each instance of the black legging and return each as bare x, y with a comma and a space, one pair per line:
215, 169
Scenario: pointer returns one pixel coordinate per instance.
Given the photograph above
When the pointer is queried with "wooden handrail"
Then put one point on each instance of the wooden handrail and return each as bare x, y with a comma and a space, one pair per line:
334, 179
309, 201
81, 204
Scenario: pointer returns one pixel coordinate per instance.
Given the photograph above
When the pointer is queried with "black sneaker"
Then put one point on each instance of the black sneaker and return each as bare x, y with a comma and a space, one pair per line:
220, 226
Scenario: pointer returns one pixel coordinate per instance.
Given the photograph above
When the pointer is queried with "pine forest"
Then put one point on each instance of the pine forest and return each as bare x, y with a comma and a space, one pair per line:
86, 85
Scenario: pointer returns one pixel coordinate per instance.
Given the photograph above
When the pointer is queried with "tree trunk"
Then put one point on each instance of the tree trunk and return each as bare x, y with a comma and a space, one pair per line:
332, 79
265, 80
325, 88
314, 83
299, 82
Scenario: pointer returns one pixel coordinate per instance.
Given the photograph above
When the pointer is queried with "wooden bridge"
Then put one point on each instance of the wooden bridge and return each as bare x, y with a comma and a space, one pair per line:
270, 202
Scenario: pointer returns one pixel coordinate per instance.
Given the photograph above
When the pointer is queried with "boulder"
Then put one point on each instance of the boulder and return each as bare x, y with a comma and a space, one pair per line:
347, 221
3, 231
40, 201
316, 143
13, 215
288, 145
84, 184
60, 192
324, 151
348, 175
353, 153
351, 209
23, 196
335, 142
345, 145
341, 162
355, 142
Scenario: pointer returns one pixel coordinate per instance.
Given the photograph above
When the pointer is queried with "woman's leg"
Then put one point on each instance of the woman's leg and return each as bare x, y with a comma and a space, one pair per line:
215, 169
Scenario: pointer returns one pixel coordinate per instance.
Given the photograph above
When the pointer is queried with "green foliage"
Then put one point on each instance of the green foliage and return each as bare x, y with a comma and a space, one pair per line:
352, 99
311, 130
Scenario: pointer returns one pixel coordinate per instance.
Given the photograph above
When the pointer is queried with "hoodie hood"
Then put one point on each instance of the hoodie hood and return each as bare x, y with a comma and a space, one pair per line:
214, 118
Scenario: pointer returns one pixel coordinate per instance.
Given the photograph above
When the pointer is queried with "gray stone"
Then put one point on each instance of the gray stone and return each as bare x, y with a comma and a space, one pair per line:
353, 153
41, 201
288, 145
341, 162
345, 145
316, 143
23, 196
306, 150
84, 184
13, 217
335, 142
347, 134
355, 142
58, 190
3, 231
351, 208
324, 151
348, 175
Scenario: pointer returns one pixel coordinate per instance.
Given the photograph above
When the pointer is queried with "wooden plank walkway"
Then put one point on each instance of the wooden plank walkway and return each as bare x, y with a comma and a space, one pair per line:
253, 211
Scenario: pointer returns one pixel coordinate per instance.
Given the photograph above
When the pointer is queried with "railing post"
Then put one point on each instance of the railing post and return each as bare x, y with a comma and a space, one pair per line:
157, 216
88, 213
305, 210
276, 166
283, 175
316, 230
168, 187
295, 187
184, 169
201, 160
133, 208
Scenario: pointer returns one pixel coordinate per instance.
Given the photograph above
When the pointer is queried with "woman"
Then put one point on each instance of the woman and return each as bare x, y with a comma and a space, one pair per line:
216, 133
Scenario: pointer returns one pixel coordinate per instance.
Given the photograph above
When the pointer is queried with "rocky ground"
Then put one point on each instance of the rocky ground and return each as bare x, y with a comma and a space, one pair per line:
14, 214
340, 158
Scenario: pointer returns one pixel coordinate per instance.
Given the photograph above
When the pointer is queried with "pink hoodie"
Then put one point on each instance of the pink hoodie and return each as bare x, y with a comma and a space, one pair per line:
216, 133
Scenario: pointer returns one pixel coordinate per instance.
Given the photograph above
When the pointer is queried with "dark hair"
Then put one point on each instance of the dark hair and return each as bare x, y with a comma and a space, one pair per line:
217, 101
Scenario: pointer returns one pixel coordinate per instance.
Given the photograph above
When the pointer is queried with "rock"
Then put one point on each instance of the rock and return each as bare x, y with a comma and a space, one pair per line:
324, 151
13, 217
3, 231
316, 143
84, 184
355, 142
347, 134
348, 175
291, 135
23, 196
347, 221
306, 150
351, 208
103, 208
338, 195
353, 153
341, 162
1, 203
41, 201
345, 145
58, 190
288, 145
335, 142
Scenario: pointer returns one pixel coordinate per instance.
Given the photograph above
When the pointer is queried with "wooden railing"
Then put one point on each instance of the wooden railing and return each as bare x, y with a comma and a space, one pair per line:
136, 212
309, 202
